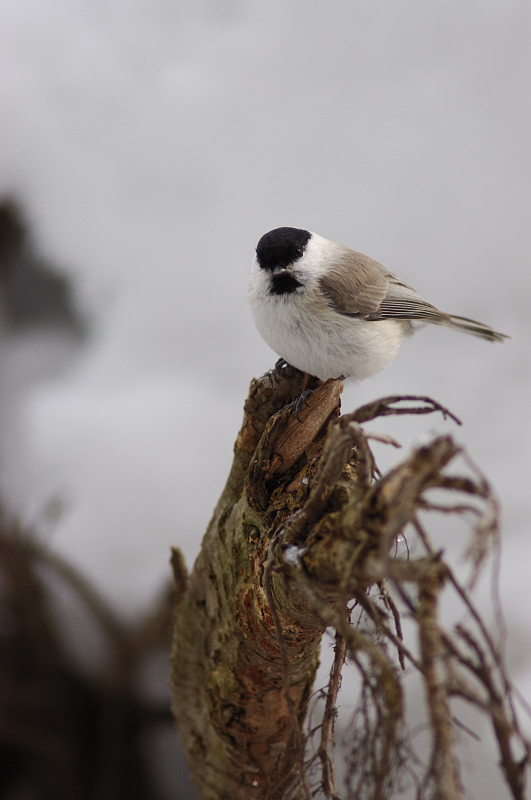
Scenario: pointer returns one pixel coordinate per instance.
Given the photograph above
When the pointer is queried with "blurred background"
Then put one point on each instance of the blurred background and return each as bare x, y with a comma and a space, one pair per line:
144, 149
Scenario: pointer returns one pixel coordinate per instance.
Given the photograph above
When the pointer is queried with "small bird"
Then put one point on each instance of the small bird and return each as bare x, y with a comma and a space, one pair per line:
335, 313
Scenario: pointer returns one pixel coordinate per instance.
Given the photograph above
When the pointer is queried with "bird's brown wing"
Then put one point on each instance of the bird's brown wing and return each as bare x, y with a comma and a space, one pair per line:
358, 286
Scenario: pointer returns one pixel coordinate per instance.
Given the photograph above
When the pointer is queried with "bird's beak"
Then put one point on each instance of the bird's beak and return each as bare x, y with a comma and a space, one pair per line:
277, 270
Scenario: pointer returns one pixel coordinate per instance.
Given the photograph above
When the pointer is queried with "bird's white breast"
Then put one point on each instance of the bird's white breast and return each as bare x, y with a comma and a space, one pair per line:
305, 330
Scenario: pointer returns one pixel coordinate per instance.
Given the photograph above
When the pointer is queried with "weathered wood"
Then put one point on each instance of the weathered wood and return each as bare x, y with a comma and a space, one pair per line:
230, 702
304, 525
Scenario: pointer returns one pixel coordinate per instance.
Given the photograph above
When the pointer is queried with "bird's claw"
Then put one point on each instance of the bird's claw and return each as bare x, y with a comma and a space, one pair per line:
300, 402
282, 365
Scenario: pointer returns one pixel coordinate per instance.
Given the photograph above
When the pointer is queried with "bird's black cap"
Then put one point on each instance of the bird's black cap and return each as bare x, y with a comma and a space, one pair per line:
281, 247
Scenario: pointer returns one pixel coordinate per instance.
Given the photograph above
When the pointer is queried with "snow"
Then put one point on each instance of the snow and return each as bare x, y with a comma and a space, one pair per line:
152, 143
293, 555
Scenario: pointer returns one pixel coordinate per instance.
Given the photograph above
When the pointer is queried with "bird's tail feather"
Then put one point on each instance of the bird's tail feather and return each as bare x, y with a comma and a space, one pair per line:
471, 326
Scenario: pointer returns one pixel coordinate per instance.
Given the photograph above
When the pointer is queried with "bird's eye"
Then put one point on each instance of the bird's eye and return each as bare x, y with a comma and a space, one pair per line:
299, 252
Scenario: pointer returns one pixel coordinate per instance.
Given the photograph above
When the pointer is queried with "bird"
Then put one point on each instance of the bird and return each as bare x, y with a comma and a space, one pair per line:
334, 313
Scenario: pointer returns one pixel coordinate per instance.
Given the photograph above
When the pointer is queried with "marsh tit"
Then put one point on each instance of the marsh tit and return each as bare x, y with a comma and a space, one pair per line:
332, 312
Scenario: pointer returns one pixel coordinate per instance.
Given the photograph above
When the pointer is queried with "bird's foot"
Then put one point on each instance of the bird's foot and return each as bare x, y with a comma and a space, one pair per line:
282, 365
302, 399
300, 402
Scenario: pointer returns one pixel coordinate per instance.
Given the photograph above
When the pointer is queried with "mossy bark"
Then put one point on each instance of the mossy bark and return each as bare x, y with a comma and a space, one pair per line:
236, 720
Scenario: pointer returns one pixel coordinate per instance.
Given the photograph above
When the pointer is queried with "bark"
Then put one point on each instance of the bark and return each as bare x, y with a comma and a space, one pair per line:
239, 727
301, 529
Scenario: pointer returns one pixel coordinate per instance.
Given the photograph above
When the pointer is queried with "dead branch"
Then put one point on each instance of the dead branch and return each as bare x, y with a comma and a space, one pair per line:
305, 527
